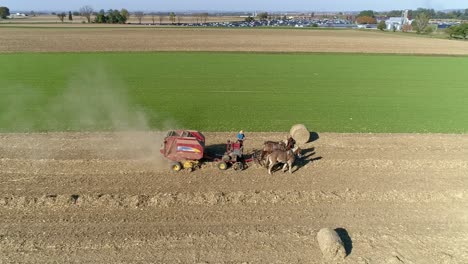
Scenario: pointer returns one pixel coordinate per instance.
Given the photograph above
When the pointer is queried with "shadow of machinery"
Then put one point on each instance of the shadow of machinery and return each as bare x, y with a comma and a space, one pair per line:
347, 242
215, 149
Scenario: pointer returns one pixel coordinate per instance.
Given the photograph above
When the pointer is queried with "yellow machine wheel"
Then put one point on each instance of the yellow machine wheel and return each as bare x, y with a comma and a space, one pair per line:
176, 166
222, 165
190, 164
187, 164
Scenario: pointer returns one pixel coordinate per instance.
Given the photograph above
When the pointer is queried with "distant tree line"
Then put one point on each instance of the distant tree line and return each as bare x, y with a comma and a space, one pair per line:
112, 16
455, 14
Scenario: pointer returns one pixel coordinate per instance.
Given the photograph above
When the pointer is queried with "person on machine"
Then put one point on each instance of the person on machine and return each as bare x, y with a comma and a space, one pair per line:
241, 137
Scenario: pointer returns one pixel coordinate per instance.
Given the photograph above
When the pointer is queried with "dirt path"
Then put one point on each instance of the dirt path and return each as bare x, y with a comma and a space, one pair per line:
109, 198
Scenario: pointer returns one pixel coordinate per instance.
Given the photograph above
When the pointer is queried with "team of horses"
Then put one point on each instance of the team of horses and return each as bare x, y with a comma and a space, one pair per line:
274, 152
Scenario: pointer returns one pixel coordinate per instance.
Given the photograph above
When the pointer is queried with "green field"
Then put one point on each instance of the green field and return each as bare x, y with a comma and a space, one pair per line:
230, 91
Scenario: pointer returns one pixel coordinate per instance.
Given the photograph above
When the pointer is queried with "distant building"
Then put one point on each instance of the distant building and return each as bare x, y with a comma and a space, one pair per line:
254, 14
17, 15
394, 23
397, 23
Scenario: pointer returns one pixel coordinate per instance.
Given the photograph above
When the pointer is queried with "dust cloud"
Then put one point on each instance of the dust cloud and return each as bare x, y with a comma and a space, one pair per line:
93, 100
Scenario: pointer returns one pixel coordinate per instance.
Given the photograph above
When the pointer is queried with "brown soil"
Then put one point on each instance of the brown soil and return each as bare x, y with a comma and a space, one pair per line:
185, 39
109, 198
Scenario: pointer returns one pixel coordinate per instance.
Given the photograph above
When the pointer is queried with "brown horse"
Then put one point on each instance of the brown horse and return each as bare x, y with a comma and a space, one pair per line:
270, 146
291, 145
281, 156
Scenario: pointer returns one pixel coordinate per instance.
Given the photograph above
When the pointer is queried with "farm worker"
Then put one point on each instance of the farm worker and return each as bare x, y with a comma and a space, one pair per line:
241, 137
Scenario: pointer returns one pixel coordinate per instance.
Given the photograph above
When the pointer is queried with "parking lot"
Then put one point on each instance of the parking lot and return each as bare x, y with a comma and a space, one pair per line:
294, 22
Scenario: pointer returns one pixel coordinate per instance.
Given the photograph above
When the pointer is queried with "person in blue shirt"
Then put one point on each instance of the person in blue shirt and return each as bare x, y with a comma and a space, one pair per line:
241, 137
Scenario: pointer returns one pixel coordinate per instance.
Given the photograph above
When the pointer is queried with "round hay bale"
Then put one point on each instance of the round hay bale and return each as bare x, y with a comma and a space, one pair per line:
300, 133
330, 244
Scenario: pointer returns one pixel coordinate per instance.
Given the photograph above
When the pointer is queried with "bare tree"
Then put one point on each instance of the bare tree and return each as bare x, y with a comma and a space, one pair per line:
161, 19
205, 16
179, 18
153, 17
87, 11
201, 17
61, 16
139, 15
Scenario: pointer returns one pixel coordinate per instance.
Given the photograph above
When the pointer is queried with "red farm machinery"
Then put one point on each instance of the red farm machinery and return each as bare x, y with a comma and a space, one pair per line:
186, 150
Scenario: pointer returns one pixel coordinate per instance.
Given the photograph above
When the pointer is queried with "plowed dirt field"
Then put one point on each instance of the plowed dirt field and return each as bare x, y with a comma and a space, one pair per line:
109, 198
69, 39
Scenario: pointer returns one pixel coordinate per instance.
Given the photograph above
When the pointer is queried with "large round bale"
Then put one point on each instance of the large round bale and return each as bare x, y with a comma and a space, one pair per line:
330, 244
300, 133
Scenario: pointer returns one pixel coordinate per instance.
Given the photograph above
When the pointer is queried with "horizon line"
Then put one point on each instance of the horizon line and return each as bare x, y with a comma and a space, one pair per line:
237, 11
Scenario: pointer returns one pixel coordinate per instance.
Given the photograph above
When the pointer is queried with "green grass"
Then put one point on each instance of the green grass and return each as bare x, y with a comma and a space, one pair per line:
232, 91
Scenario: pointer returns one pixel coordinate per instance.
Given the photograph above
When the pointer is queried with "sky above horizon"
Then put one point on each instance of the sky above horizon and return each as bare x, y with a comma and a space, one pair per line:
239, 5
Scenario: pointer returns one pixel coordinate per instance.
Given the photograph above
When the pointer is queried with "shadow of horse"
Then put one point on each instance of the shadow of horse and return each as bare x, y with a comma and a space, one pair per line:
307, 157
308, 153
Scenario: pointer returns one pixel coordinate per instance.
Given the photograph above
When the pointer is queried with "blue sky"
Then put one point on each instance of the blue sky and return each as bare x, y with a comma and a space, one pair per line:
234, 5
